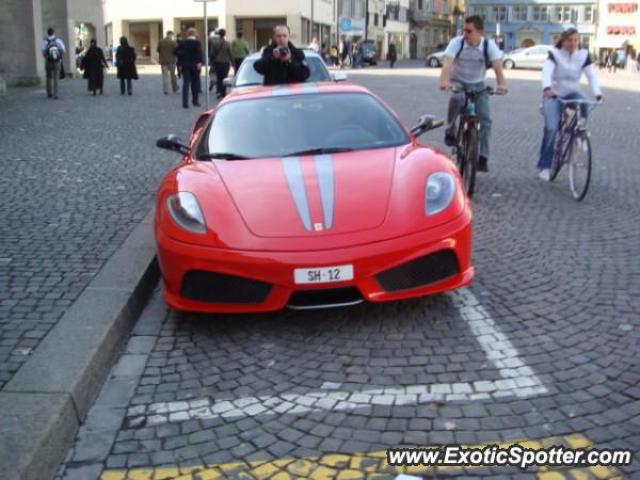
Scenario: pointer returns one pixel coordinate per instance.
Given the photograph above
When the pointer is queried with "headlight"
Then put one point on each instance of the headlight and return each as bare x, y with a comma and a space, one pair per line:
185, 211
439, 192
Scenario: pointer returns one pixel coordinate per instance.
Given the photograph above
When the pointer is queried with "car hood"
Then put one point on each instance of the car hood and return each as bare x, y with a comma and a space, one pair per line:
311, 195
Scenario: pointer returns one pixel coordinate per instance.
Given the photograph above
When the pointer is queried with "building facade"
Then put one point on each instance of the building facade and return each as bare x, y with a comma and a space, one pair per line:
24, 25
520, 24
145, 21
430, 26
396, 27
618, 27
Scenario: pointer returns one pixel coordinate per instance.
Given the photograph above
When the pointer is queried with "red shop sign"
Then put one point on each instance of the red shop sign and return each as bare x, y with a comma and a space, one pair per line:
623, 7
621, 30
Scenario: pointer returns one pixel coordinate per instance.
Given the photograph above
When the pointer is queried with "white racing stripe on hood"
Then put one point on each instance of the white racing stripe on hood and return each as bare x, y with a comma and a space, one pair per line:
326, 182
295, 180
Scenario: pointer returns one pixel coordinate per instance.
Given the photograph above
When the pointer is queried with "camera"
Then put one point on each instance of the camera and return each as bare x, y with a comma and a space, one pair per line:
283, 51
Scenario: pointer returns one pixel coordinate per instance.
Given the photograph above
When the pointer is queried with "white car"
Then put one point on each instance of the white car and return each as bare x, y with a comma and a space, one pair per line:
532, 57
248, 77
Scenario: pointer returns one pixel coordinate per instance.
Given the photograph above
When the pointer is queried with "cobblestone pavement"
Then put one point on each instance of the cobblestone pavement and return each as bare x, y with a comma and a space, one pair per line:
542, 349
78, 174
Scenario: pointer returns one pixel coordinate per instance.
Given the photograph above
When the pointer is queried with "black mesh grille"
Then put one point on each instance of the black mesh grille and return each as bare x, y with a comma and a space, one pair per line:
221, 288
420, 272
328, 296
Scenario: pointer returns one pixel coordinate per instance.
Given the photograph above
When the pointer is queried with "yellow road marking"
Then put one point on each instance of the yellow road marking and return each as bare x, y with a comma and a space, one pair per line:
367, 465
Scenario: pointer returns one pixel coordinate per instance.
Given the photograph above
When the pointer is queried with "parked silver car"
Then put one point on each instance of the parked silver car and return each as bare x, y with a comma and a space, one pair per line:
435, 59
532, 57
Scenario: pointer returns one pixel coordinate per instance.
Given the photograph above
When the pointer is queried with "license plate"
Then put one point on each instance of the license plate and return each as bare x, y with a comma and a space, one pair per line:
339, 273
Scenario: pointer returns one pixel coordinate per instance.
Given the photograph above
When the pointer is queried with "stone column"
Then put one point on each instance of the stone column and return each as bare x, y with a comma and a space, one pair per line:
295, 25
169, 23
153, 40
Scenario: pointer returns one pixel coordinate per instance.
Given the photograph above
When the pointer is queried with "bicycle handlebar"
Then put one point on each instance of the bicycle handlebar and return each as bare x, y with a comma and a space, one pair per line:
579, 101
486, 90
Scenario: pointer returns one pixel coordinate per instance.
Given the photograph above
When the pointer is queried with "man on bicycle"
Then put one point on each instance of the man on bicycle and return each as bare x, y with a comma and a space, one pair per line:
466, 60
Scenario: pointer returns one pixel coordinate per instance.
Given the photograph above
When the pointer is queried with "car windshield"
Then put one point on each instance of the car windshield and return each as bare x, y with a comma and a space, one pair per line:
248, 75
302, 124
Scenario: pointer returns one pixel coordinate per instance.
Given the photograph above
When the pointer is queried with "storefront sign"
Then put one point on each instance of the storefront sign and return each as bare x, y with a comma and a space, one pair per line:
623, 7
621, 30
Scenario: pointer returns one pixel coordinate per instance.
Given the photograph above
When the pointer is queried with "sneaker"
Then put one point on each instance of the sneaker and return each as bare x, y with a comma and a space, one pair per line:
449, 139
545, 174
482, 164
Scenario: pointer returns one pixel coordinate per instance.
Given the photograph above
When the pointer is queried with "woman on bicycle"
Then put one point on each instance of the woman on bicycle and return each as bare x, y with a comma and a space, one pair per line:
561, 79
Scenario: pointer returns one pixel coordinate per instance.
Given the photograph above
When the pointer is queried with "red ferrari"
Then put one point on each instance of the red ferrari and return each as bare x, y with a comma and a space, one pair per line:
308, 196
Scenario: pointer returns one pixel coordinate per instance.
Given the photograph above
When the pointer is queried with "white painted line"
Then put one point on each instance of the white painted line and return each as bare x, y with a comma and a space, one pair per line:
517, 380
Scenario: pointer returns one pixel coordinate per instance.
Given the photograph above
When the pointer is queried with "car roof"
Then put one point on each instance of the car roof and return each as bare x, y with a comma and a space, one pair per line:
294, 89
308, 53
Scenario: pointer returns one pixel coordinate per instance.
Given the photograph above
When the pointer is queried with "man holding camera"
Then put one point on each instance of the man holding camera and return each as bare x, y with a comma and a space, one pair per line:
281, 62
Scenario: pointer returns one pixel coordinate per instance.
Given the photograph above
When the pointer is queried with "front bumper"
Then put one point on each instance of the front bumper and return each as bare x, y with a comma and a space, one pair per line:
275, 269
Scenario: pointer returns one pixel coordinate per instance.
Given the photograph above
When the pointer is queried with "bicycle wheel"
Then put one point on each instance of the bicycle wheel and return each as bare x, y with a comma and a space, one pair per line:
580, 165
470, 163
459, 149
559, 151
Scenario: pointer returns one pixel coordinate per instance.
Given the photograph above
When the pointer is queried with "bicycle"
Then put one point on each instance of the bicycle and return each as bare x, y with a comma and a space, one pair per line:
467, 143
572, 146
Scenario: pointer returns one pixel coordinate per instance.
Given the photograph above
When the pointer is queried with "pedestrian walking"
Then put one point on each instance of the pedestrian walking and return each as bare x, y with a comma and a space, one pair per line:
53, 50
221, 57
167, 57
314, 45
344, 49
93, 65
214, 38
189, 53
334, 58
240, 49
126, 62
613, 61
392, 54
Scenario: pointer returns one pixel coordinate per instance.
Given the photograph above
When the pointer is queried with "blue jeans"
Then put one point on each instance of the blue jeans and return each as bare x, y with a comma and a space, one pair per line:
456, 102
552, 111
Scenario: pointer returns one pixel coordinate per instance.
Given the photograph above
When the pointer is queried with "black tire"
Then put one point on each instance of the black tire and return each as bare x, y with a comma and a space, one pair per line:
556, 163
580, 166
470, 164
509, 64
434, 62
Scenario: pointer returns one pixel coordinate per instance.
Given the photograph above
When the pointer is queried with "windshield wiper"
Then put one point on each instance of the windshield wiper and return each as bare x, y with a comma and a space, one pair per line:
320, 151
222, 156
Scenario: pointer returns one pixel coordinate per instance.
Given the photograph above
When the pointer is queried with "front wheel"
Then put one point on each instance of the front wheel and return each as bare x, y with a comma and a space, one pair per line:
434, 63
580, 166
560, 145
509, 64
470, 162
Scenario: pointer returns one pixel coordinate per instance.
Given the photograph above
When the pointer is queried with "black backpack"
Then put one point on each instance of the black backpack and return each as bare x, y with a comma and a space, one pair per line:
53, 51
485, 51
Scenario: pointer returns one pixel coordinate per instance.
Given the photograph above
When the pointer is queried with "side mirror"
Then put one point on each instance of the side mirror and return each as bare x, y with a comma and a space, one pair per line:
174, 144
339, 77
426, 123
228, 82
